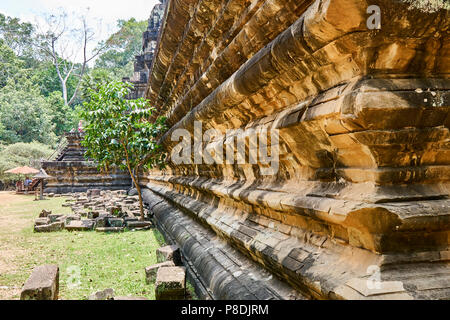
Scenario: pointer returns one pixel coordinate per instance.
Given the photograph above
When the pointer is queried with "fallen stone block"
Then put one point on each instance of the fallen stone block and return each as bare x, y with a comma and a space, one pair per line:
169, 253
72, 217
41, 221
107, 294
93, 215
170, 283
54, 217
138, 224
43, 284
150, 272
115, 222
100, 222
93, 193
53, 227
44, 214
109, 229
82, 225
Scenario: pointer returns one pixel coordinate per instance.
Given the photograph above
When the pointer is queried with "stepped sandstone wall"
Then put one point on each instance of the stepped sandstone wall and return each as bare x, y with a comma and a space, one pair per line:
363, 122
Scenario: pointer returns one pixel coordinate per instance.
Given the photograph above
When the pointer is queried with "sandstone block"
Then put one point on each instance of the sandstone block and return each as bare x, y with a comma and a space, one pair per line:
109, 229
43, 284
93, 193
82, 225
44, 214
115, 222
150, 272
52, 227
170, 283
41, 221
138, 224
107, 294
169, 253
54, 217
72, 217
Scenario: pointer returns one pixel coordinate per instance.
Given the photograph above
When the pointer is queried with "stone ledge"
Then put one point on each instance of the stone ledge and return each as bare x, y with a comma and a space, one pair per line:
303, 262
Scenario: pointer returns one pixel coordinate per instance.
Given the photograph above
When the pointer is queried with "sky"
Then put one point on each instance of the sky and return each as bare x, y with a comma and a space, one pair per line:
103, 14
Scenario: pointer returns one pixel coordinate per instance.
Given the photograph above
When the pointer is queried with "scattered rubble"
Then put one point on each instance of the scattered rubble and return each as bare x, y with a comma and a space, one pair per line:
169, 253
103, 211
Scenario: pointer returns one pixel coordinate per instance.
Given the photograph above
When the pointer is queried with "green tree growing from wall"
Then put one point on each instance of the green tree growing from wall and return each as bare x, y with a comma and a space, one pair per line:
118, 132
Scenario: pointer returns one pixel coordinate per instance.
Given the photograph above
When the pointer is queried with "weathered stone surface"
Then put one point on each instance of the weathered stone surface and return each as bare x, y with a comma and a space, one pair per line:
52, 227
169, 253
110, 229
43, 284
44, 214
55, 217
41, 221
170, 283
107, 294
72, 217
83, 225
93, 193
115, 222
138, 224
363, 129
150, 272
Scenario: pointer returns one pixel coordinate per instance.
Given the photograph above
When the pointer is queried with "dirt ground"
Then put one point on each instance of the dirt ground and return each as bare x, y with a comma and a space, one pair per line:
10, 224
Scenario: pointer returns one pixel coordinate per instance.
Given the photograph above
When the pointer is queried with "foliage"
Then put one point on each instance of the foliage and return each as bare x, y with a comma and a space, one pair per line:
25, 115
21, 154
429, 5
10, 65
46, 77
118, 132
93, 81
16, 35
122, 47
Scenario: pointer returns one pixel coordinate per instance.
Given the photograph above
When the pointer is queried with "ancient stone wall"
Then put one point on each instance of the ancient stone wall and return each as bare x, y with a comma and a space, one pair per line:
363, 121
71, 172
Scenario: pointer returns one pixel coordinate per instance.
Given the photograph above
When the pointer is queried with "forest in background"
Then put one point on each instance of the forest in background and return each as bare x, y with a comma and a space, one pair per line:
34, 109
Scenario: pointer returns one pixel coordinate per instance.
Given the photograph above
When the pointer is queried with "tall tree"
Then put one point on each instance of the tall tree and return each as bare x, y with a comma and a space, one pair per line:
62, 45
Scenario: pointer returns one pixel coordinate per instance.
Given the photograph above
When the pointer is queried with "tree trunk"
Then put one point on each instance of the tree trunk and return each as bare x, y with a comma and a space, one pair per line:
138, 188
141, 205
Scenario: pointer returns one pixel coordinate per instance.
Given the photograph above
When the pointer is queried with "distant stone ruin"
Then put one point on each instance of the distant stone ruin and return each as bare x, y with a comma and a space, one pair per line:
71, 172
99, 210
143, 62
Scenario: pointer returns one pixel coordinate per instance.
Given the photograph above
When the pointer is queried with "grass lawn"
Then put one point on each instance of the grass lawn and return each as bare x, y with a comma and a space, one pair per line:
88, 261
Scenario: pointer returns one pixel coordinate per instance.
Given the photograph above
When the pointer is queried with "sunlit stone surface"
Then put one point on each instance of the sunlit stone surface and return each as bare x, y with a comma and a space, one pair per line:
363, 117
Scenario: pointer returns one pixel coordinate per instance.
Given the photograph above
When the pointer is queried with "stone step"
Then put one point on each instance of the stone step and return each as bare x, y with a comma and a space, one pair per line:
170, 283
